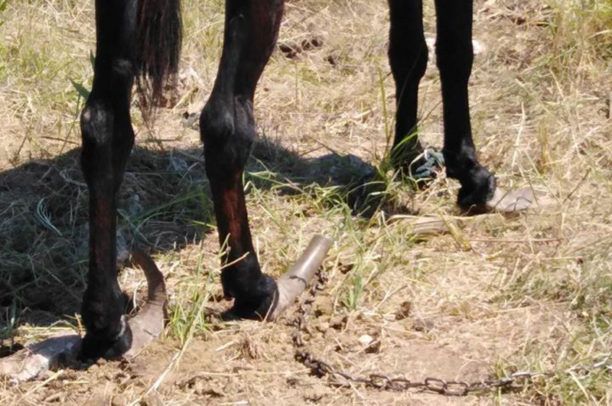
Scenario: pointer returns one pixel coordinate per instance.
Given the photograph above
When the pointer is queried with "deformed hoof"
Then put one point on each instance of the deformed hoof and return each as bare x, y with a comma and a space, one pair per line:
148, 323
36, 358
145, 326
512, 201
291, 284
257, 306
507, 202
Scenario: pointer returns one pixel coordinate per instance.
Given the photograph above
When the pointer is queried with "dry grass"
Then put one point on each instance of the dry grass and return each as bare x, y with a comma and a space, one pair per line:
499, 294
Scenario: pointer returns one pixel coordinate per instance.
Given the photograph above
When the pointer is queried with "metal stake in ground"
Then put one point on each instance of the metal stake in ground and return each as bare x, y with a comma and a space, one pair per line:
297, 279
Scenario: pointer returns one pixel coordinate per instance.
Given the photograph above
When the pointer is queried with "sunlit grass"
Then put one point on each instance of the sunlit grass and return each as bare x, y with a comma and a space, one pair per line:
540, 107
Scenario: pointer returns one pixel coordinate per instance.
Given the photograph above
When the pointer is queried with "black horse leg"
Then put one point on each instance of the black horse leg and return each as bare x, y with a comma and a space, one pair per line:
454, 57
228, 130
107, 140
408, 60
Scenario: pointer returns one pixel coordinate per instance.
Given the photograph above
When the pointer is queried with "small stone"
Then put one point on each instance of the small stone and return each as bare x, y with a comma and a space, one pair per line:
323, 327
325, 306
403, 311
422, 325
366, 340
338, 322
374, 347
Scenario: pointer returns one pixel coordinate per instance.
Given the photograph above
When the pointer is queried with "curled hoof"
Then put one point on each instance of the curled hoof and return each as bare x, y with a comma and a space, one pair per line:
476, 190
479, 194
290, 285
254, 308
94, 347
148, 324
31, 361
140, 330
296, 280
135, 334
512, 201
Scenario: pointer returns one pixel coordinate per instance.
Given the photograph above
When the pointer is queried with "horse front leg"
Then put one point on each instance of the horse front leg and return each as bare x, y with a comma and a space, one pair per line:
107, 138
408, 61
455, 55
228, 131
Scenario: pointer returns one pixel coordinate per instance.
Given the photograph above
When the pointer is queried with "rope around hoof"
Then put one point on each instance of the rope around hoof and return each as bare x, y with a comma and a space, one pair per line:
385, 382
433, 162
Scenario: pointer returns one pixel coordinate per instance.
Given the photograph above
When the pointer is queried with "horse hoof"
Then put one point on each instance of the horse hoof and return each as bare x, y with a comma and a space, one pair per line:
290, 285
148, 324
37, 358
255, 307
511, 201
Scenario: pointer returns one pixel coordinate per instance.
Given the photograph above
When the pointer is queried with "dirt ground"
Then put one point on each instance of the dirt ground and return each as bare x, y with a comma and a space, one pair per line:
492, 296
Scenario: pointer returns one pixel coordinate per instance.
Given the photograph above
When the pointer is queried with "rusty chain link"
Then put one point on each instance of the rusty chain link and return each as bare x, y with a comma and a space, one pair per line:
320, 368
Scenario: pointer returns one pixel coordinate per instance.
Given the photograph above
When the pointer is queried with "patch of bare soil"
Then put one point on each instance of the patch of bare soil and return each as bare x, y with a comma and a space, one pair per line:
494, 295
253, 363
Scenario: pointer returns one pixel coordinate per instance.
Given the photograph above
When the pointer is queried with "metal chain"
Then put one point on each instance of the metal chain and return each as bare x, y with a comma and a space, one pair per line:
320, 368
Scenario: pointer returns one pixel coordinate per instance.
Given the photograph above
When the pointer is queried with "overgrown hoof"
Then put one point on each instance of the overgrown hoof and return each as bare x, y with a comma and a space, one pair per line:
476, 191
497, 200
288, 287
255, 307
512, 201
134, 334
148, 324
30, 362
296, 280
94, 347
138, 331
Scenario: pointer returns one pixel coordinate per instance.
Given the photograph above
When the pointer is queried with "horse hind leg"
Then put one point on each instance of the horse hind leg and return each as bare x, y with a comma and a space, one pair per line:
454, 56
228, 131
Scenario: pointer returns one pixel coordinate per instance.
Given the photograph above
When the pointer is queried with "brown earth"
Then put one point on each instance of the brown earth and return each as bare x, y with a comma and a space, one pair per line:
497, 295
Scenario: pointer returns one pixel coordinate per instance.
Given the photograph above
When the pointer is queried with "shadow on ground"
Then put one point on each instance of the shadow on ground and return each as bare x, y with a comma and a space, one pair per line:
164, 203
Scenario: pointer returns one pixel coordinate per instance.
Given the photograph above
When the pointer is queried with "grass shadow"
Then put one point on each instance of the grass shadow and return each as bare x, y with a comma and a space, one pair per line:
164, 203
44, 231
